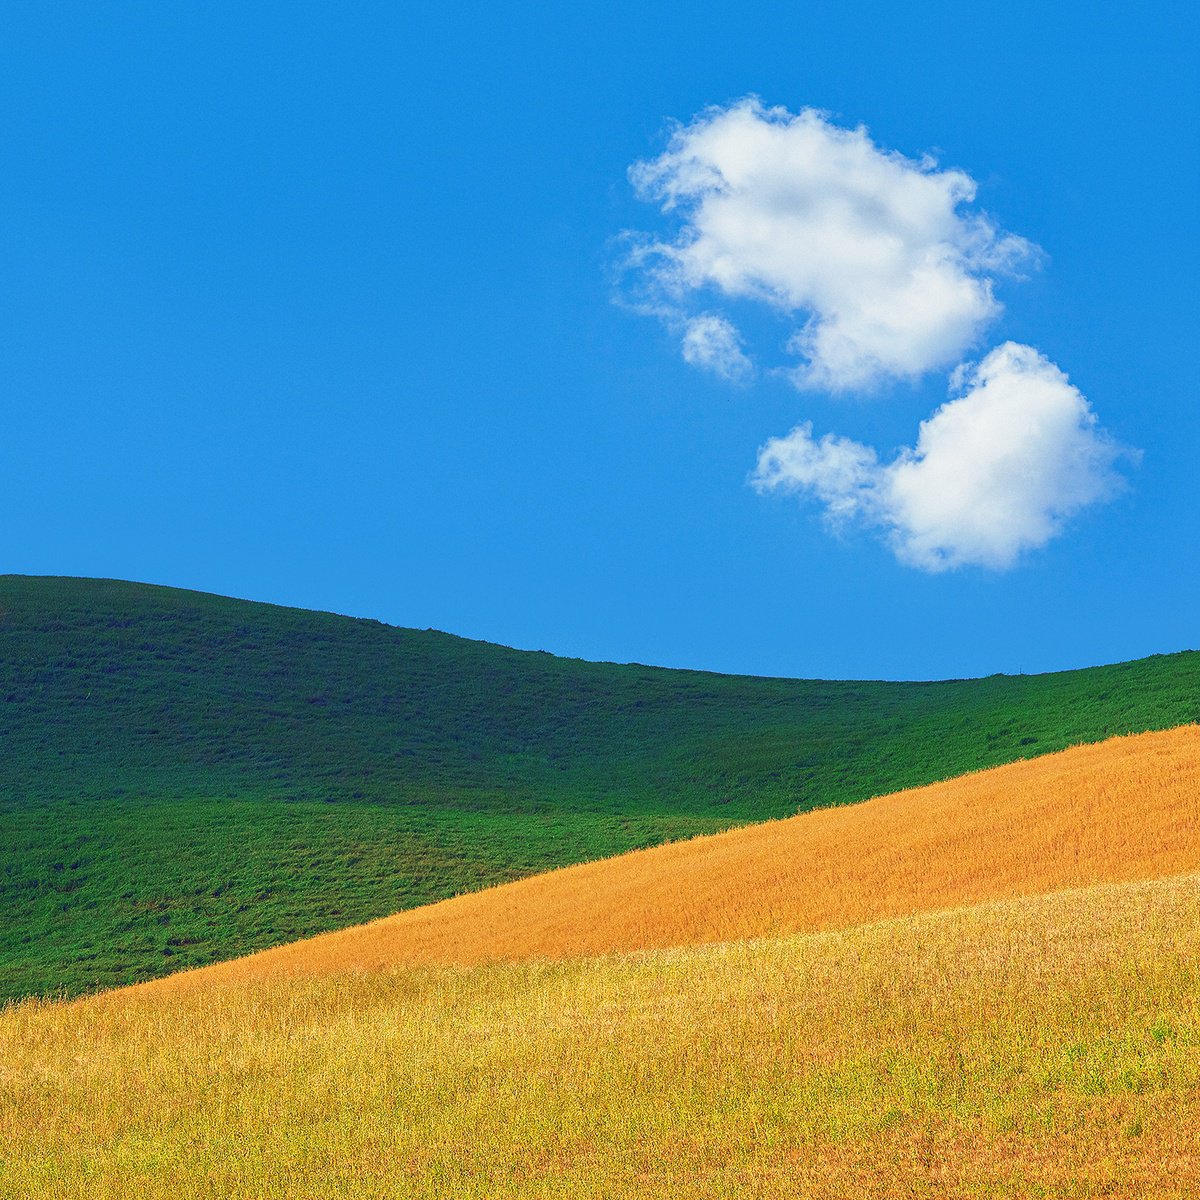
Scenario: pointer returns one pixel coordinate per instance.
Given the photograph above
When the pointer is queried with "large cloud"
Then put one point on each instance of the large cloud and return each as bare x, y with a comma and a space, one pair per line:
875, 260
995, 472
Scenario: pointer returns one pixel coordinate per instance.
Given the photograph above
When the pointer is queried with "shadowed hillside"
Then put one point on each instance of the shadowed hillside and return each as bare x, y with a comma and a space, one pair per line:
187, 778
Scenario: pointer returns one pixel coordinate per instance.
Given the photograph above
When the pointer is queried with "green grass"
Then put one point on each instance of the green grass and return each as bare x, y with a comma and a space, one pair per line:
186, 777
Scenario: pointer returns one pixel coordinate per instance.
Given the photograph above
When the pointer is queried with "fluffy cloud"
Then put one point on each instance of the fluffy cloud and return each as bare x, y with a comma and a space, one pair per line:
995, 472
880, 269
874, 259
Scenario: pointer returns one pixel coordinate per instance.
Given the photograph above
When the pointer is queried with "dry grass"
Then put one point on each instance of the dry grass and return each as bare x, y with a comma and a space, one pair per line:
1124, 809
1032, 1046
1037, 1047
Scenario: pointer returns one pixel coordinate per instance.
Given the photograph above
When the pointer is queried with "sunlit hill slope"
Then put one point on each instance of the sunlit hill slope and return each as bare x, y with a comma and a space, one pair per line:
1124, 809
1027, 1046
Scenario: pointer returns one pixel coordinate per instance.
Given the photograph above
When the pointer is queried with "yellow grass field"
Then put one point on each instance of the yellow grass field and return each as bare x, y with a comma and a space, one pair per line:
936, 1032
1124, 809
1032, 1048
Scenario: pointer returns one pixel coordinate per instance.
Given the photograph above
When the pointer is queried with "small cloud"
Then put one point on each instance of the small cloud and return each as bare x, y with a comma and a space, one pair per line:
878, 261
995, 472
712, 342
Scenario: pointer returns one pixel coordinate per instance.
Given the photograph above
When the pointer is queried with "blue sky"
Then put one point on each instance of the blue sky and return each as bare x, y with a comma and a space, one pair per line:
315, 305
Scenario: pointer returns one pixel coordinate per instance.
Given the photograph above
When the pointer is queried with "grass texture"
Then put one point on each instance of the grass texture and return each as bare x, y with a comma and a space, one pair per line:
1031, 1046
1122, 810
1037, 1047
186, 778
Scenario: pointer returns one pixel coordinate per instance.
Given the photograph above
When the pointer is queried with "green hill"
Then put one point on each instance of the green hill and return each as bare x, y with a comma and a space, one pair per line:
186, 777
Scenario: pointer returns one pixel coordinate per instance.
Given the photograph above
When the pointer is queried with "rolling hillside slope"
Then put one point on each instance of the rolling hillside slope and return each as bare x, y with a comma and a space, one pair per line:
185, 778
1035, 1045
1122, 810
1045, 1046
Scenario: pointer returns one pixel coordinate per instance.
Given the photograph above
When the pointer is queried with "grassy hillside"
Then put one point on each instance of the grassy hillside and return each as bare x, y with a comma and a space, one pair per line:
184, 778
1037, 1045
1032, 1048
1117, 811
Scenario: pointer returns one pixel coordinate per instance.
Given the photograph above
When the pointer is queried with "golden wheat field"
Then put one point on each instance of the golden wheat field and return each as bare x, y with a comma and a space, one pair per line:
1124, 809
1007, 1044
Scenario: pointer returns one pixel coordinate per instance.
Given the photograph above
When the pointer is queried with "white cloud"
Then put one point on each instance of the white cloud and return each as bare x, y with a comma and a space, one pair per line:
994, 473
712, 342
873, 258
880, 268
